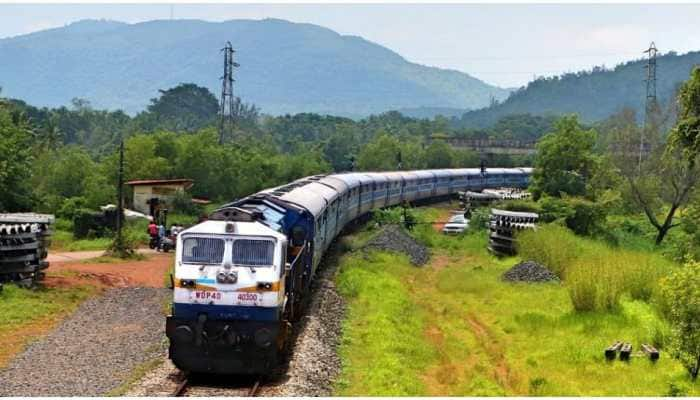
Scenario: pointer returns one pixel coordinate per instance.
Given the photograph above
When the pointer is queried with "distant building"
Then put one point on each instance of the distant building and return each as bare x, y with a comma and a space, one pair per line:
153, 194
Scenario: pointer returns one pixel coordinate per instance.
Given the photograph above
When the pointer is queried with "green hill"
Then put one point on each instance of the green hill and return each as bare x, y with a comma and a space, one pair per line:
285, 67
594, 94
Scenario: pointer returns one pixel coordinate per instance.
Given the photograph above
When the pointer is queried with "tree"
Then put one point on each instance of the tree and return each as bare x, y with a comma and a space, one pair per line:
687, 130
186, 107
15, 162
565, 160
680, 293
380, 154
667, 175
439, 154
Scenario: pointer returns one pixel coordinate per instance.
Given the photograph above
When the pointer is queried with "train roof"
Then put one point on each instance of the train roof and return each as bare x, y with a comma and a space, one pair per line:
306, 198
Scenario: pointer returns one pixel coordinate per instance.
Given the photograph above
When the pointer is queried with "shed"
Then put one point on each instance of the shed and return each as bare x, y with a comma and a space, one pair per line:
150, 194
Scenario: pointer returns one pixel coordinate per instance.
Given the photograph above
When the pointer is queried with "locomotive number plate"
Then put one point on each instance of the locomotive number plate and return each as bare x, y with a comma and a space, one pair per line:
202, 295
247, 298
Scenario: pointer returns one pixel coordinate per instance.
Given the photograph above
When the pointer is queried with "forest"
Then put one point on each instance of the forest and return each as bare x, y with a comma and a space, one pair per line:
62, 158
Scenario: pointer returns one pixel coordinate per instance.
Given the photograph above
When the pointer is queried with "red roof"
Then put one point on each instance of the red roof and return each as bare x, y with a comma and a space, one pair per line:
156, 182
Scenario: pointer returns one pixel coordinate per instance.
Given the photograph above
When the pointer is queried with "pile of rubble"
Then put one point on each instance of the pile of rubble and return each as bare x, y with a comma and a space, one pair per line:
529, 271
394, 238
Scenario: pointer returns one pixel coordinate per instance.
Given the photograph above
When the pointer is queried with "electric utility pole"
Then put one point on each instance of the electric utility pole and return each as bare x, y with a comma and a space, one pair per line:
650, 101
226, 108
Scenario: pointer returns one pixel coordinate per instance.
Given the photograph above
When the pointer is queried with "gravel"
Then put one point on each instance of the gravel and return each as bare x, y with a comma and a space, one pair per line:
394, 238
529, 271
314, 363
94, 350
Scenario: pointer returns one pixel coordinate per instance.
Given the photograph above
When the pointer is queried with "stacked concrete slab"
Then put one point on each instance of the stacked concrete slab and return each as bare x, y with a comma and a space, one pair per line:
24, 243
503, 228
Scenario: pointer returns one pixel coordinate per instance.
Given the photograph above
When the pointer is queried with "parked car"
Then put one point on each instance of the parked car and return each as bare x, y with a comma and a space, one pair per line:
455, 225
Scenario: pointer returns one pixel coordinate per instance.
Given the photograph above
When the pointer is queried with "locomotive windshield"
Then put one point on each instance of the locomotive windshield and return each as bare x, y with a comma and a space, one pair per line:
253, 252
198, 250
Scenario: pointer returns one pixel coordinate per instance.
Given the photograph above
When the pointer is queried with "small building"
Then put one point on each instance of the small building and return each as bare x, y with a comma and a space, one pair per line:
152, 194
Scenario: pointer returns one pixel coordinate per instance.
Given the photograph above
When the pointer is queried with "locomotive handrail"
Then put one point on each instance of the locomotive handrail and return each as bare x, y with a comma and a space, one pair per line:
303, 247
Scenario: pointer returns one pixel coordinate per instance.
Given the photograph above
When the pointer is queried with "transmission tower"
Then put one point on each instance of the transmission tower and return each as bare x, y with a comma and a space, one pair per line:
650, 101
226, 108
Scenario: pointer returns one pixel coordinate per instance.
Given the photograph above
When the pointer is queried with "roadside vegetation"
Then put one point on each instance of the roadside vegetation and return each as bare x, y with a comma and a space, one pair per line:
26, 314
454, 327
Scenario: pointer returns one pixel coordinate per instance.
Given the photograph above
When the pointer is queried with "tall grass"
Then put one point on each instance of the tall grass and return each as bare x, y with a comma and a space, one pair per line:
596, 275
552, 246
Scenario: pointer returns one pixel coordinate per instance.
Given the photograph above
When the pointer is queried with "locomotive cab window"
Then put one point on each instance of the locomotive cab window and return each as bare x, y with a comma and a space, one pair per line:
198, 250
253, 252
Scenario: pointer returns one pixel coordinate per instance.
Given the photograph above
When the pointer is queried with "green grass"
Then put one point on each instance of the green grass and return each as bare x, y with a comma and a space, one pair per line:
64, 241
455, 328
388, 358
26, 314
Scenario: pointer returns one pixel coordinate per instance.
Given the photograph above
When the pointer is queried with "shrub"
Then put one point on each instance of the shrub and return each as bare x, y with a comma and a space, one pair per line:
480, 218
681, 291
553, 209
88, 223
550, 245
578, 214
182, 203
586, 217
70, 206
393, 215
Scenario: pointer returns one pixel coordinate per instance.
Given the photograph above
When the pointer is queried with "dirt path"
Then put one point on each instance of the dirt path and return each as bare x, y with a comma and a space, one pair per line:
69, 256
150, 272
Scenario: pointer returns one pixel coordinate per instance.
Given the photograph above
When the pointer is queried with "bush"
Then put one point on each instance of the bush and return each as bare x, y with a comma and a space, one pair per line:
578, 214
550, 245
681, 291
182, 203
88, 223
480, 218
70, 206
393, 215
586, 217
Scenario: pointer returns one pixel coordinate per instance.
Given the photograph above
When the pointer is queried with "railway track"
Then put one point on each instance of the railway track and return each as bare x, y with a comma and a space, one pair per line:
190, 387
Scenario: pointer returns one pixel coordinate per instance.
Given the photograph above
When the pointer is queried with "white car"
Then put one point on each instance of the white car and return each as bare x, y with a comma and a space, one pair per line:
455, 225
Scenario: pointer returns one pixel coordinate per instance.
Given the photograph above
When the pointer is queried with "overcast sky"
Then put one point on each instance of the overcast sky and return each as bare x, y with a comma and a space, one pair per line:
502, 44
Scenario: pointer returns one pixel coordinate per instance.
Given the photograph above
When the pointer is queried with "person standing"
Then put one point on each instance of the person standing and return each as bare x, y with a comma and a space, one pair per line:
161, 234
153, 233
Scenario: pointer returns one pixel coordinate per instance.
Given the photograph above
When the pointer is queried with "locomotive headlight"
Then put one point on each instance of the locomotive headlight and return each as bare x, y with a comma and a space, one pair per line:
263, 337
227, 276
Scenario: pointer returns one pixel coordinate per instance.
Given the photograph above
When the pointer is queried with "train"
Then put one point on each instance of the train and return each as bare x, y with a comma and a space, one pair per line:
242, 277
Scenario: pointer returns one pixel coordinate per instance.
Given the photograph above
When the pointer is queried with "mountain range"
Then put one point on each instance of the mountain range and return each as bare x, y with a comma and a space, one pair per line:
285, 67
594, 94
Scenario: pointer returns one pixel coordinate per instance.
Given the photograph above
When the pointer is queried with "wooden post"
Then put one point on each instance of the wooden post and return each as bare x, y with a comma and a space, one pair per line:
120, 193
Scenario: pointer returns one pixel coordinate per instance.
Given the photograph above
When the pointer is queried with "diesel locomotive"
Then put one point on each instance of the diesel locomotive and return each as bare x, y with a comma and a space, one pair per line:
241, 277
